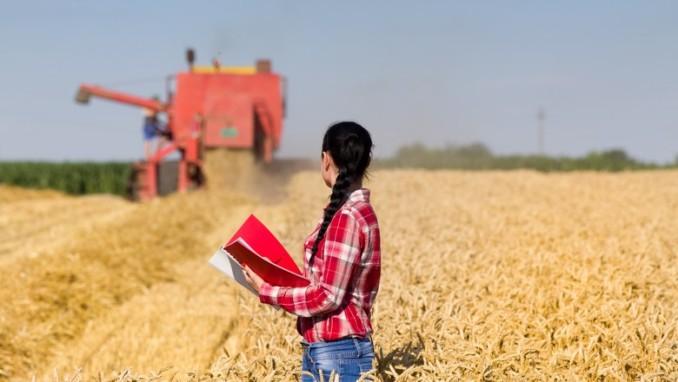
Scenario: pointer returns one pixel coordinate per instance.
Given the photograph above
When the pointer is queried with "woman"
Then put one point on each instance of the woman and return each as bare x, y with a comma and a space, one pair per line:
342, 260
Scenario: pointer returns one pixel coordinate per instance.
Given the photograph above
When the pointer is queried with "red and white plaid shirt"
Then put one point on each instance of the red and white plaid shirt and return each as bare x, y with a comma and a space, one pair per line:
344, 276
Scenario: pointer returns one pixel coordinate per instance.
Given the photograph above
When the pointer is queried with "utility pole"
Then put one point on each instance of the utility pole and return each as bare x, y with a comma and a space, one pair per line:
541, 119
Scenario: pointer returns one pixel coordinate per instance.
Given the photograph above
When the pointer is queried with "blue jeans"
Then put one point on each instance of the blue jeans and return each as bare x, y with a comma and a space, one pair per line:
346, 358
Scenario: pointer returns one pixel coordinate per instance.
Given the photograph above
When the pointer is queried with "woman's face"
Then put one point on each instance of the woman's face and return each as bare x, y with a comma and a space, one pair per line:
327, 169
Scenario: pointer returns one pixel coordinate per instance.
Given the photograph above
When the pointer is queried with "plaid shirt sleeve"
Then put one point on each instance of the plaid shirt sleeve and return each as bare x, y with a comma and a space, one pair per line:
341, 253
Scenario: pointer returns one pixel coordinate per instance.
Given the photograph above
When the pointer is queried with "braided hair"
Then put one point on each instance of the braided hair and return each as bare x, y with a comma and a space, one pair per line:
350, 147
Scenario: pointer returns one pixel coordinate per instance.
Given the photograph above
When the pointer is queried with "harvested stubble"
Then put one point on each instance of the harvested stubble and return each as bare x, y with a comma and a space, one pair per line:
55, 297
486, 276
38, 221
12, 194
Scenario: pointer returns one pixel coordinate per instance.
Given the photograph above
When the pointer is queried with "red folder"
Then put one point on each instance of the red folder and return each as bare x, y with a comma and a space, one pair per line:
253, 245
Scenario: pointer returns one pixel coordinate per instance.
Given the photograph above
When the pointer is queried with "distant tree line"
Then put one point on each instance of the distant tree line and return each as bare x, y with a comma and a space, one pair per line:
477, 156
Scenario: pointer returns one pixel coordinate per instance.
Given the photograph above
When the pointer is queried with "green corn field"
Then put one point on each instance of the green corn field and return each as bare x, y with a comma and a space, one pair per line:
70, 177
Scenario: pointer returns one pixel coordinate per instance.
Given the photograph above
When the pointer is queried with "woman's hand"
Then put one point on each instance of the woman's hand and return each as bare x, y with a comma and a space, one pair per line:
253, 279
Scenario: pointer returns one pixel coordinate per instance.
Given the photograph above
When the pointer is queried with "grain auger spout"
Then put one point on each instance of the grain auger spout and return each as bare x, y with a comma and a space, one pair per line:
86, 92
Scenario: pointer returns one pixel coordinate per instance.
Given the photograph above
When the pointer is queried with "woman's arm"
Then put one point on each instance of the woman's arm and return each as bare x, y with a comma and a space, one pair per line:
341, 251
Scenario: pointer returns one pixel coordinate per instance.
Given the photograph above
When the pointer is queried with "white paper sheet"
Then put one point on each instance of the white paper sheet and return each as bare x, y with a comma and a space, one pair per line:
222, 261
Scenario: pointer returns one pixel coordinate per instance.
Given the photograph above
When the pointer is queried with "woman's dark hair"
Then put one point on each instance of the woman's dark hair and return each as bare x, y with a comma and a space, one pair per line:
350, 147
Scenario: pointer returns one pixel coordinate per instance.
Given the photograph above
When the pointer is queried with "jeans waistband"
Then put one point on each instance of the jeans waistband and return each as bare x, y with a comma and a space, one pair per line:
306, 345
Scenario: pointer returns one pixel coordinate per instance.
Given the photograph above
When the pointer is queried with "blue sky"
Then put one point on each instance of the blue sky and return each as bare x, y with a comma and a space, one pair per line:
437, 72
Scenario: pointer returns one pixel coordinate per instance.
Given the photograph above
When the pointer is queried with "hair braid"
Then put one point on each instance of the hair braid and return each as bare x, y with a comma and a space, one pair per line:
337, 199
350, 147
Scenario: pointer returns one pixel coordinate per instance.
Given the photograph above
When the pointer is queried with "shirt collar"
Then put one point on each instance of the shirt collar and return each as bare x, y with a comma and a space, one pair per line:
360, 195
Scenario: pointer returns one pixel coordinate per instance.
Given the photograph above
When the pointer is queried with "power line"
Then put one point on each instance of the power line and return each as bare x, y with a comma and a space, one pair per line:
541, 121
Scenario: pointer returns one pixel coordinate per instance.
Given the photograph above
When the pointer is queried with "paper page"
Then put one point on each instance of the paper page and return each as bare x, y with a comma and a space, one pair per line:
222, 261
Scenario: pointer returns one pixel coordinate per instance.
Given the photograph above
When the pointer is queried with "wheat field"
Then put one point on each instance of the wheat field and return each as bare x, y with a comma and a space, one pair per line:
487, 276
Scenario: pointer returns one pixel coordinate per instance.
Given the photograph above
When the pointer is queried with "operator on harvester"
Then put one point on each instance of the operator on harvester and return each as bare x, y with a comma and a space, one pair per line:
153, 128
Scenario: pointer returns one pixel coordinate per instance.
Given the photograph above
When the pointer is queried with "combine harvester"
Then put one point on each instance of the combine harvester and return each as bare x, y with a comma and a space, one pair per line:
211, 107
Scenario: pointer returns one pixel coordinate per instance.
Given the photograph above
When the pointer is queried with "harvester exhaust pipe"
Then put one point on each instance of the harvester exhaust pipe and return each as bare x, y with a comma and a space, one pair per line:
190, 58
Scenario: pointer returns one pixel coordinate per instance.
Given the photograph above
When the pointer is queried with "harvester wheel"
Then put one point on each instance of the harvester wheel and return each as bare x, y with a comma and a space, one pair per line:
168, 177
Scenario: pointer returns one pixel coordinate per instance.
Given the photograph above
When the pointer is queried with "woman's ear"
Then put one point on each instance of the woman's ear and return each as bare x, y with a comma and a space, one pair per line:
327, 161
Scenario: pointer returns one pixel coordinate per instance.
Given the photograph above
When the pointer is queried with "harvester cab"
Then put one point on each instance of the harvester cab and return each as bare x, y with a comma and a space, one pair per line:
210, 107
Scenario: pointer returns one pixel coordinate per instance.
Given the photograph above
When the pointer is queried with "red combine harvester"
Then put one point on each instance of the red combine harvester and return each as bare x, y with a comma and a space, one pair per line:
211, 107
